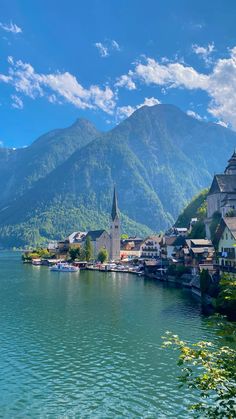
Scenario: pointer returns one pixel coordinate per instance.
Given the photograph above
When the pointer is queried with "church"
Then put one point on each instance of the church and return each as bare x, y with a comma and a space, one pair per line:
110, 241
222, 194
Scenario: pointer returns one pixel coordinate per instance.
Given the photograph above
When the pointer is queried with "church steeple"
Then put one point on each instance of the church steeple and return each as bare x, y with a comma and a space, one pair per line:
231, 168
114, 211
115, 230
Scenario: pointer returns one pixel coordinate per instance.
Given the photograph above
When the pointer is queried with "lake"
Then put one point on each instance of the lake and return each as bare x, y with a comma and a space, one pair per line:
89, 344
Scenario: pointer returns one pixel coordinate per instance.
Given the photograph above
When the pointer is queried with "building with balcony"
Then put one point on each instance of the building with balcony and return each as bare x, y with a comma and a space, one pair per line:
226, 244
222, 194
151, 247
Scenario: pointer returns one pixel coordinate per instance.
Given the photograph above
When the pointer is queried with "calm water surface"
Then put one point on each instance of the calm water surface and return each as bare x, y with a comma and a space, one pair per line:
89, 345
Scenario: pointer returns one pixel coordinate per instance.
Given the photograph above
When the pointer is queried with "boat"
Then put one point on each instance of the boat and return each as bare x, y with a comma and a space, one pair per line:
36, 262
64, 267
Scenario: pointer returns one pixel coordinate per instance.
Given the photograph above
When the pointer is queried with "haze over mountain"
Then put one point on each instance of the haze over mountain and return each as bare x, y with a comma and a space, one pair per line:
158, 158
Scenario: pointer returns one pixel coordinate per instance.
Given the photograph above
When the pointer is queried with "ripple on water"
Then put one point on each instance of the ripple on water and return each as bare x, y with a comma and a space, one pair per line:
90, 346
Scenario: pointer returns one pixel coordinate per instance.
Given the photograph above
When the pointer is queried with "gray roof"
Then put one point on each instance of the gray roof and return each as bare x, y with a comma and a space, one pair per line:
114, 211
95, 234
223, 183
231, 163
231, 224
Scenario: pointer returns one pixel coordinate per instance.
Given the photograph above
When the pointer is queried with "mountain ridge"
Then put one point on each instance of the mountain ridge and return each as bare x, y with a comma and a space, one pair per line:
158, 158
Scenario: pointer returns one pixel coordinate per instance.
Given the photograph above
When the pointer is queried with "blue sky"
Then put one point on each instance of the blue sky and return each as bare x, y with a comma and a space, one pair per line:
101, 59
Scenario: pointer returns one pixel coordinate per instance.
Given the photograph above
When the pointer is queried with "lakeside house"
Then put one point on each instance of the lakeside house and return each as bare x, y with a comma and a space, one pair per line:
198, 252
222, 194
226, 244
151, 247
74, 240
130, 248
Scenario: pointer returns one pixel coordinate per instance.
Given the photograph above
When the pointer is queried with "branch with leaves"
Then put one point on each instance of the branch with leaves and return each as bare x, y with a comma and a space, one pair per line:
210, 371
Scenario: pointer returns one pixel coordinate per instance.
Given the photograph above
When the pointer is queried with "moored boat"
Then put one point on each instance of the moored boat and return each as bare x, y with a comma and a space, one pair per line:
64, 267
36, 262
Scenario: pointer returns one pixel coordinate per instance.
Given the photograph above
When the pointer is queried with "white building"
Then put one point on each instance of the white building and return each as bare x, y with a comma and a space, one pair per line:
222, 194
226, 243
151, 247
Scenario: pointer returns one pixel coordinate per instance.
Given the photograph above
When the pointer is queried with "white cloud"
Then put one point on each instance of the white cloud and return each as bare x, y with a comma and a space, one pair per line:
194, 115
170, 75
102, 49
10, 27
126, 111
57, 86
106, 47
1, 143
150, 101
223, 124
219, 84
204, 52
17, 102
5, 79
115, 45
126, 81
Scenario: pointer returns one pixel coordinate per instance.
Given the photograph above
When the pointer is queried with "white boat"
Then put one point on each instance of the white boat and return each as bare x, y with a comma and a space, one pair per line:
64, 267
36, 262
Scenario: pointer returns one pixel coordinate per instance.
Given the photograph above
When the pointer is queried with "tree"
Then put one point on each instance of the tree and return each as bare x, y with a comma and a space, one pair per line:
88, 249
226, 300
103, 255
205, 281
211, 372
214, 225
210, 369
74, 253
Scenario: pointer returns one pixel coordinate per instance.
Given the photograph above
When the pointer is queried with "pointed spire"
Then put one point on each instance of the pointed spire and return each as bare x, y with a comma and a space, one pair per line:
231, 168
114, 211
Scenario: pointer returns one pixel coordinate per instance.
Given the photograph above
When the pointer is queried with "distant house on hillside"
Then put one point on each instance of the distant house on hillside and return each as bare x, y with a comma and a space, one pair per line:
222, 194
226, 243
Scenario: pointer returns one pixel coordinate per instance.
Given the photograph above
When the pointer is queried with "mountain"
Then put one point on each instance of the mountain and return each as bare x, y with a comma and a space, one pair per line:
159, 158
20, 169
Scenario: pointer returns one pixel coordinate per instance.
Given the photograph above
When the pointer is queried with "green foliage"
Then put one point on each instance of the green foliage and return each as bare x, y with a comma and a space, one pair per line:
226, 301
74, 253
124, 236
102, 255
195, 209
88, 249
214, 224
64, 180
210, 372
38, 253
205, 281
198, 231
58, 221
178, 270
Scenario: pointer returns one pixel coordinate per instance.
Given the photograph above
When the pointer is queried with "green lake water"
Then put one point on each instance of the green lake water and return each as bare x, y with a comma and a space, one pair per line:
88, 345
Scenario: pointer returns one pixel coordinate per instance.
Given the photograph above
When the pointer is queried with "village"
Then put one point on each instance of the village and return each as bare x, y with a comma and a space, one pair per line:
173, 256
